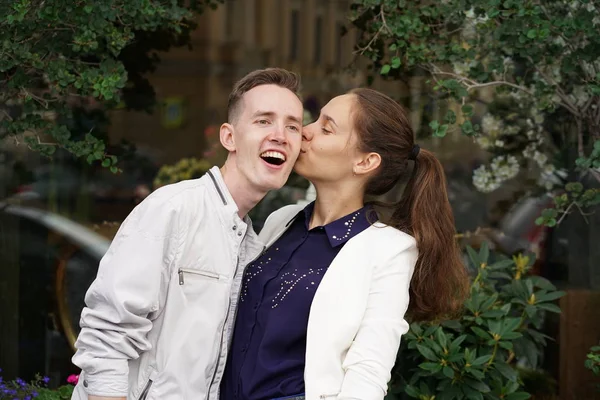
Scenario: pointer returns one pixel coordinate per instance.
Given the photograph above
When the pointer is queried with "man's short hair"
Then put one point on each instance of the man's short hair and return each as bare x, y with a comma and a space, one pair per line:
269, 76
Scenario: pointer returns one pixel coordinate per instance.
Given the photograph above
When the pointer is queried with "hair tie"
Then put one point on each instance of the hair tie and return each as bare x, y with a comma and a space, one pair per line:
415, 152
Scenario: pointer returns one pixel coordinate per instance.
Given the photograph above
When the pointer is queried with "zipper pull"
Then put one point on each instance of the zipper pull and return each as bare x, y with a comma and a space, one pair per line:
181, 277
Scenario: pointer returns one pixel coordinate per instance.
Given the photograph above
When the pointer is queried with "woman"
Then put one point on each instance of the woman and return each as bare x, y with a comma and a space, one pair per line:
322, 310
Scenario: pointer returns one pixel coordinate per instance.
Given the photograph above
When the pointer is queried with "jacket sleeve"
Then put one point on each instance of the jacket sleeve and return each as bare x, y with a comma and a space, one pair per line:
372, 355
129, 287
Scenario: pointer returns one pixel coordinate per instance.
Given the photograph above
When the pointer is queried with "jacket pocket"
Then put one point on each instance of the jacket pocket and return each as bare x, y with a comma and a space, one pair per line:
329, 396
183, 272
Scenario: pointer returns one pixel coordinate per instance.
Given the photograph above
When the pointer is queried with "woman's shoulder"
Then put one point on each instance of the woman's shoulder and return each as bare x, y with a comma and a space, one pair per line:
382, 236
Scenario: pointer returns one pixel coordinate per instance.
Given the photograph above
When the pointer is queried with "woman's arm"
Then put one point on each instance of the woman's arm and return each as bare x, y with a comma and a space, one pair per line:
372, 355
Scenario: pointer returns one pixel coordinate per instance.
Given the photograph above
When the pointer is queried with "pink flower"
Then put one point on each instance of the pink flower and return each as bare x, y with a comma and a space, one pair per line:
73, 379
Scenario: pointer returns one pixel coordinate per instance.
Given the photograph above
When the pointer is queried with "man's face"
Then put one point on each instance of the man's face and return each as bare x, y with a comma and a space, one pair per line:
266, 136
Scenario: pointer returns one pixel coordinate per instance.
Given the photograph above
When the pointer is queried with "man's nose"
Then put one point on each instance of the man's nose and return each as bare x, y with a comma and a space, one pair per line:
278, 135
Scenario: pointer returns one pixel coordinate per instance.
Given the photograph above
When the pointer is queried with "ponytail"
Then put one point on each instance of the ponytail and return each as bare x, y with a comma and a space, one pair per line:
440, 282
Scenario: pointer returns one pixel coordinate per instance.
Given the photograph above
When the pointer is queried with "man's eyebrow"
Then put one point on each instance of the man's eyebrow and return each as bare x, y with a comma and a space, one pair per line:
294, 119
262, 113
328, 118
271, 114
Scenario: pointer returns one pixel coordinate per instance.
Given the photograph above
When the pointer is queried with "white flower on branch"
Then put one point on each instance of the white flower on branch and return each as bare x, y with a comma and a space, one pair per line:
530, 150
484, 181
491, 125
540, 158
505, 167
483, 142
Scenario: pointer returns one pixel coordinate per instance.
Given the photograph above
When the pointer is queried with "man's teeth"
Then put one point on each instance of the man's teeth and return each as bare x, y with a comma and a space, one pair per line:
273, 154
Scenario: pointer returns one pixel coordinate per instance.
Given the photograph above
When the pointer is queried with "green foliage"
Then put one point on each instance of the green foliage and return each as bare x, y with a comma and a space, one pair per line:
592, 361
36, 389
475, 356
544, 55
58, 55
186, 168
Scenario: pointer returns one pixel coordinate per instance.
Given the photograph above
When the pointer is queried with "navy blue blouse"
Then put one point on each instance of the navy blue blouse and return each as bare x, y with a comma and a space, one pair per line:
267, 353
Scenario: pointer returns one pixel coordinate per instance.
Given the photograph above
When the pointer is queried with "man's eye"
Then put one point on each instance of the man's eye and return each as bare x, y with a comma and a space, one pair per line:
262, 121
294, 128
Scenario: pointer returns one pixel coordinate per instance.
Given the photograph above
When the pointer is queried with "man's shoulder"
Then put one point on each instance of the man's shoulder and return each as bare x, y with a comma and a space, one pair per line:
279, 219
177, 197
285, 214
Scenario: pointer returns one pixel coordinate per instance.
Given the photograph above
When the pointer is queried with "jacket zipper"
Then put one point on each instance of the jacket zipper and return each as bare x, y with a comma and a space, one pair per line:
146, 390
324, 396
212, 381
206, 274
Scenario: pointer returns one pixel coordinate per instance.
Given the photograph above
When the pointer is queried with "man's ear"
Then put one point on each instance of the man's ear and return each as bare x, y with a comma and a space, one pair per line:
226, 137
367, 164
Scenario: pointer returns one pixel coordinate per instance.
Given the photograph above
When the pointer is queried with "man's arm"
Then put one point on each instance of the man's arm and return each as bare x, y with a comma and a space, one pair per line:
115, 323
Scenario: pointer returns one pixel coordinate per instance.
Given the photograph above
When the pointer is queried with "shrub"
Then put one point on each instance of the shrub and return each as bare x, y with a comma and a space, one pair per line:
475, 357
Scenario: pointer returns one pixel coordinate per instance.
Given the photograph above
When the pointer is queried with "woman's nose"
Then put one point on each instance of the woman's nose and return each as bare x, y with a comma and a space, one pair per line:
307, 133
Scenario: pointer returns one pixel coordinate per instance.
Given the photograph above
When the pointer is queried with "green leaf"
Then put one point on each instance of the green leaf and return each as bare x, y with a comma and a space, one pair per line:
549, 296
502, 264
510, 324
385, 69
506, 345
448, 371
416, 328
452, 324
467, 128
506, 370
484, 252
480, 332
549, 307
471, 394
532, 34
473, 256
467, 110
542, 282
441, 338
478, 385
106, 162
411, 391
427, 353
482, 360
518, 396
457, 342
431, 366
511, 335
450, 117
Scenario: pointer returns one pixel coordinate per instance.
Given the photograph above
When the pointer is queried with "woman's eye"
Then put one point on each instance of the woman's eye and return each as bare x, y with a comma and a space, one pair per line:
326, 131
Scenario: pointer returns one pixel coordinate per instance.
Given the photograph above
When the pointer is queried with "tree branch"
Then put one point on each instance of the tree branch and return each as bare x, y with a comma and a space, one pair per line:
580, 149
471, 84
374, 38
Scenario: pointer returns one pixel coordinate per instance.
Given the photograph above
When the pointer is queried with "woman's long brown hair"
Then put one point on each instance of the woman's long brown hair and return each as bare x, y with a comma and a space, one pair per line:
440, 281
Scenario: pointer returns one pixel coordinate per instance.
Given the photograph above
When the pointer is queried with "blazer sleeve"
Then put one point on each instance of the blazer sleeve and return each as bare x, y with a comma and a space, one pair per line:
128, 288
372, 355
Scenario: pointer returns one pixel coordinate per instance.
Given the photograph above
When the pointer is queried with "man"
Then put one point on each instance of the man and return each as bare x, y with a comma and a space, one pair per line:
160, 313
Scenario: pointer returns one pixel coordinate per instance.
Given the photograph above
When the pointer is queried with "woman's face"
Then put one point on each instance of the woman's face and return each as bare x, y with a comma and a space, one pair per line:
329, 145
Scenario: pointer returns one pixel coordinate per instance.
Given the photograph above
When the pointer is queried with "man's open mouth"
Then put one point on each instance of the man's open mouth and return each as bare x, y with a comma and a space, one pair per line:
273, 157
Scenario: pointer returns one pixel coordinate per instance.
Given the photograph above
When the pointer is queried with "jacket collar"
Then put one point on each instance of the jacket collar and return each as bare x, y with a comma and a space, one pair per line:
230, 207
345, 228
